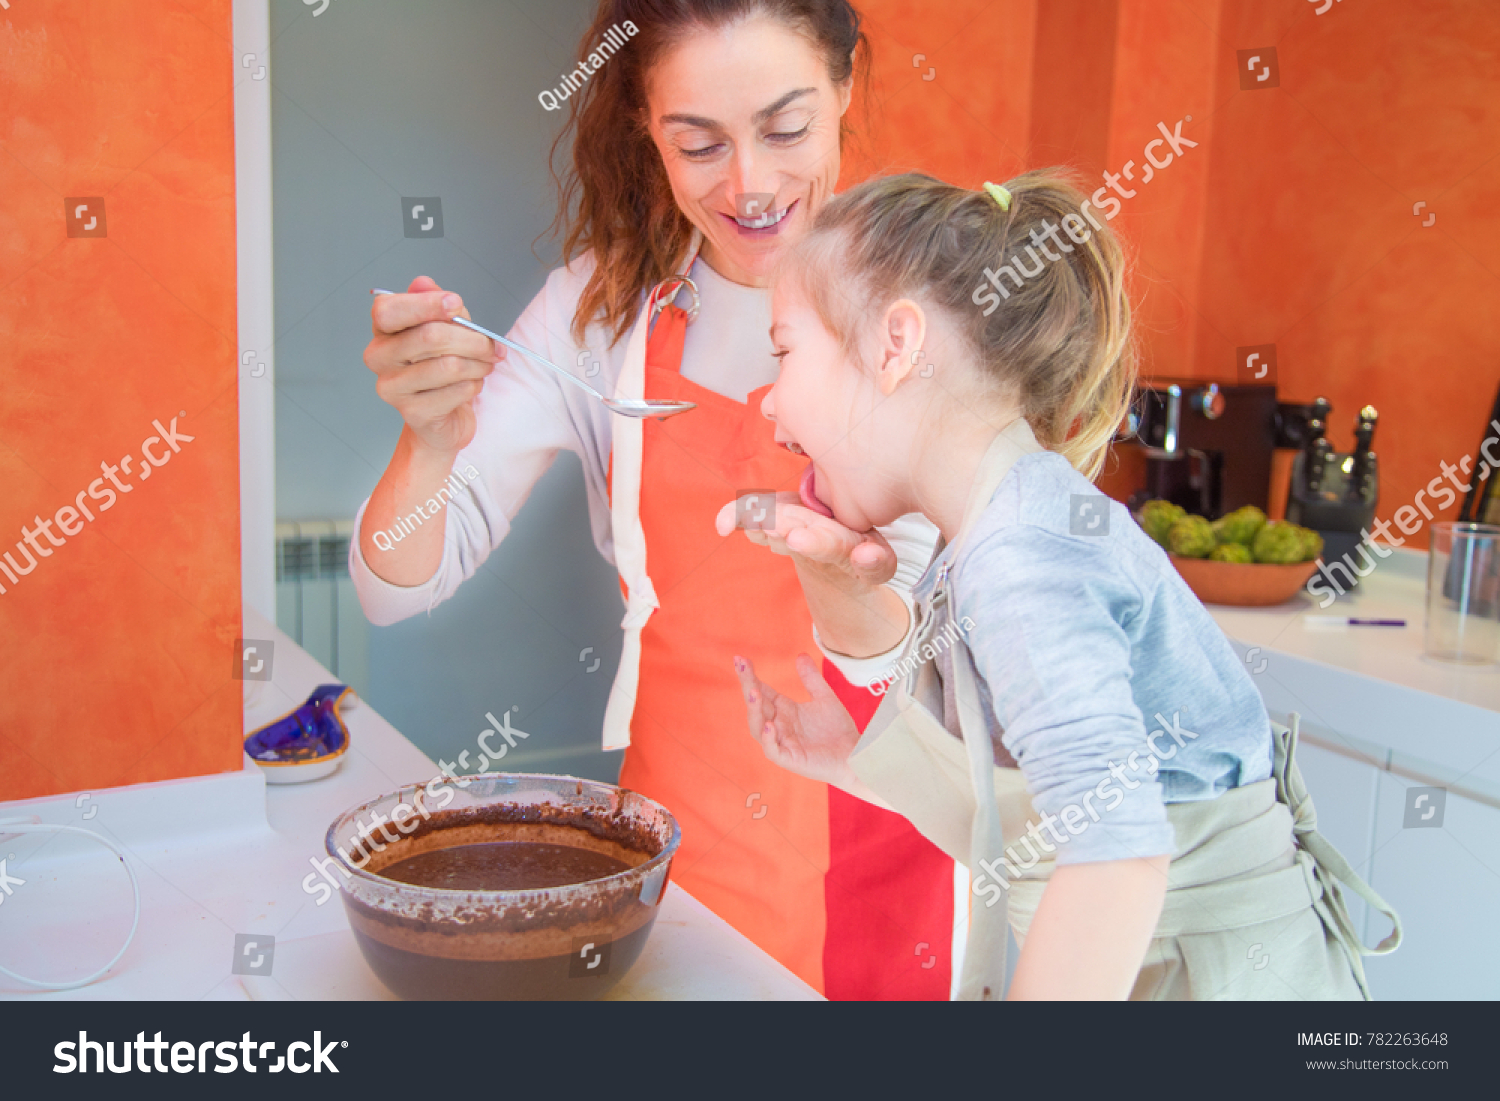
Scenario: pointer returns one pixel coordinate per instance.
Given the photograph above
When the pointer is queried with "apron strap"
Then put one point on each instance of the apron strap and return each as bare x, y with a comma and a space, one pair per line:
984, 967
1333, 870
1015, 442
1223, 906
668, 336
629, 538
983, 974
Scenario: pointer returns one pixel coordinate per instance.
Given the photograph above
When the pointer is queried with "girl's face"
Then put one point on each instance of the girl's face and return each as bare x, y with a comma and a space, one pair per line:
833, 411
747, 124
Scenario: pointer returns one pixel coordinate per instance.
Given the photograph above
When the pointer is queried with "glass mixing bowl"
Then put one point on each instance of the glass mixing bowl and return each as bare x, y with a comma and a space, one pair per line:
573, 942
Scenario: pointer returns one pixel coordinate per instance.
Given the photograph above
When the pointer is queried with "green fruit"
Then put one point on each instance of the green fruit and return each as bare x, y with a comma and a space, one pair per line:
1312, 544
1157, 518
1240, 526
1278, 542
1191, 537
1231, 552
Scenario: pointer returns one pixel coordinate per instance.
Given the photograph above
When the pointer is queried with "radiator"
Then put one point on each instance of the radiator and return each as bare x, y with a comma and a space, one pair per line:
315, 600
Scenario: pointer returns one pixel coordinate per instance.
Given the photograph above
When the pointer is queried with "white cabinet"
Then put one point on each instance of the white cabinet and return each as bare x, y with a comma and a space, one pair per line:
1444, 881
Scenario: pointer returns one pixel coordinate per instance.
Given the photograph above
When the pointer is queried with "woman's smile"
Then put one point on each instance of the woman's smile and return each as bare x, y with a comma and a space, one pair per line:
765, 225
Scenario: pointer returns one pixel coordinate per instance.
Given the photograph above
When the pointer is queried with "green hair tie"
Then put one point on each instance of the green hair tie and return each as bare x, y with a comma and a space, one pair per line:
999, 194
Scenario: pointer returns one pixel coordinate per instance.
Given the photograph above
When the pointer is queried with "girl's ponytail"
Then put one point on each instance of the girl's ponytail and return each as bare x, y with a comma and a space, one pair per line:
1104, 385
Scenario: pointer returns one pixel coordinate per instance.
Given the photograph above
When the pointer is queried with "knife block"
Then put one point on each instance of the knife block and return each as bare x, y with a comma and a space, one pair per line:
1333, 508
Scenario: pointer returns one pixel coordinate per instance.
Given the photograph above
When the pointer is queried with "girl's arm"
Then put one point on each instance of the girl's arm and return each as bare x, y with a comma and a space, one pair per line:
854, 617
1091, 931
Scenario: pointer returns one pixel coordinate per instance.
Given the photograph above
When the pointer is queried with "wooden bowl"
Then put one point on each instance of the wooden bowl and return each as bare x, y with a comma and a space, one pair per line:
1243, 584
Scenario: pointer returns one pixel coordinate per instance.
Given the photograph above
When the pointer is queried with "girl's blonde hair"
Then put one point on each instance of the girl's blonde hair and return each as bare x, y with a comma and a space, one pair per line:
1054, 333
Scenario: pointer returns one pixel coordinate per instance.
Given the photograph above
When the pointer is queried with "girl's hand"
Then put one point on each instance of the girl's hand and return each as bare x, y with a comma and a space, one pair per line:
812, 739
429, 369
863, 558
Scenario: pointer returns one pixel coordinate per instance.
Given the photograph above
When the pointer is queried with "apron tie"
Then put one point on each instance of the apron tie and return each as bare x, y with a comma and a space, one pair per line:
1330, 868
640, 604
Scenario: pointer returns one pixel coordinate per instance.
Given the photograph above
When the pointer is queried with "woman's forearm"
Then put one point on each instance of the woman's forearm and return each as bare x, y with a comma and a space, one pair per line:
1091, 930
411, 479
852, 618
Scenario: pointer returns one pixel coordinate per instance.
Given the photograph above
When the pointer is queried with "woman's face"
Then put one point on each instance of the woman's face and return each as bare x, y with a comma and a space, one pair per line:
747, 124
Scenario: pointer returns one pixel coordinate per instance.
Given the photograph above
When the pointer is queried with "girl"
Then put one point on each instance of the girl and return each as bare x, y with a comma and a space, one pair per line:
1068, 721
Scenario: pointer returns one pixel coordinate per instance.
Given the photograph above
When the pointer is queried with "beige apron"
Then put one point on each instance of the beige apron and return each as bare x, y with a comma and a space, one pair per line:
1254, 906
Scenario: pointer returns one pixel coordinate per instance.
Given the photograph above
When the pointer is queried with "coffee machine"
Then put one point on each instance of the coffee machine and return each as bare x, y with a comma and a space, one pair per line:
1206, 446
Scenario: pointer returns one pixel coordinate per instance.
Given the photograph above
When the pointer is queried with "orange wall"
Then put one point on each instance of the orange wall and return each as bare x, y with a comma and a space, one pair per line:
1291, 222
971, 121
1312, 243
116, 650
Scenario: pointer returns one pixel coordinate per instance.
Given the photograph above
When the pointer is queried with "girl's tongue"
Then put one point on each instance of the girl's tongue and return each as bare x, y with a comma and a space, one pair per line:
807, 491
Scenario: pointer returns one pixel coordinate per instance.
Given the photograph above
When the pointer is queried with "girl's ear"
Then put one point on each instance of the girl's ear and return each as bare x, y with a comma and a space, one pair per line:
901, 336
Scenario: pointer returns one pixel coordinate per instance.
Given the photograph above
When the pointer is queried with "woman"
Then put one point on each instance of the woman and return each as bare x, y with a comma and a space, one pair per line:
702, 144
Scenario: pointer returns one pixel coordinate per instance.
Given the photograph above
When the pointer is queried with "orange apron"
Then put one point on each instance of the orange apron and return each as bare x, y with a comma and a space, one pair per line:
848, 896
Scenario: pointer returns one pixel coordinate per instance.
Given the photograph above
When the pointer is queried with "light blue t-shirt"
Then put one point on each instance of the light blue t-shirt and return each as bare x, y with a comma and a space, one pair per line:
1091, 652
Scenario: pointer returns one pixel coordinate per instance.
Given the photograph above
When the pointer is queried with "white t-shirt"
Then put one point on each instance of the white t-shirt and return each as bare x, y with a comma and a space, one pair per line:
525, 414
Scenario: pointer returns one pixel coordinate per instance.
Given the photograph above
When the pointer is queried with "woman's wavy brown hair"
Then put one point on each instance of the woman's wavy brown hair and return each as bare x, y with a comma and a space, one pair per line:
615, 199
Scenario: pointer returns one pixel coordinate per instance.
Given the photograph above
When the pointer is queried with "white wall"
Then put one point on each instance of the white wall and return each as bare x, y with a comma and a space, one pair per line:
371, 101
253, 261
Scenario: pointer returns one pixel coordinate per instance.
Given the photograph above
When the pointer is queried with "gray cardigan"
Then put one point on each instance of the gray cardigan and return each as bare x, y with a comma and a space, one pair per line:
1102, 676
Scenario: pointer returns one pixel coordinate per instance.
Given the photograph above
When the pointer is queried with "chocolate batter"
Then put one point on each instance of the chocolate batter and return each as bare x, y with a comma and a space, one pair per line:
504, 866
575, 943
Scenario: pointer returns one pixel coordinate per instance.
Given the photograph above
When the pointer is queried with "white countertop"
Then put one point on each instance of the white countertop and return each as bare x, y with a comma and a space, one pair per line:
223, 855
1369, 691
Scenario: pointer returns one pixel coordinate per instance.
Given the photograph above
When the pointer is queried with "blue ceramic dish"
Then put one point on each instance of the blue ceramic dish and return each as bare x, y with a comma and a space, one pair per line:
304, 744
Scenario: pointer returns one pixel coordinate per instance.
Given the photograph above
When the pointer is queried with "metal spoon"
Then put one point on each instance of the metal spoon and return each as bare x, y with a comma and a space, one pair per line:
626, 407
